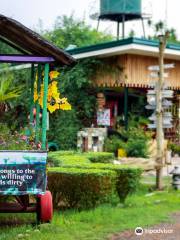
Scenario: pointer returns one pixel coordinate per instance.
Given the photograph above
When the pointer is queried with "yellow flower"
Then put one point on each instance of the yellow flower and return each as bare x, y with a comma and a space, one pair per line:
35, 96
54, 101
52, 108
41, 95
53, 74
64, 105
35, 91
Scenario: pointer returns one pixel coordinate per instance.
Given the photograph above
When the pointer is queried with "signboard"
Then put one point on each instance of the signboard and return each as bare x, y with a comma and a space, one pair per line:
156, 67
165, 93
166, 116
154, 126
150, 107
156, 75
103, 118
166, 104
22, 172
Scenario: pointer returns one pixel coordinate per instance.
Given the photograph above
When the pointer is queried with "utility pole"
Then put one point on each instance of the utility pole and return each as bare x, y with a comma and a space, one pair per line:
159, 114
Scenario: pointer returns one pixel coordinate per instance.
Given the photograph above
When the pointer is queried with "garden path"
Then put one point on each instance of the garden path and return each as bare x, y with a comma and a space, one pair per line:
173, 229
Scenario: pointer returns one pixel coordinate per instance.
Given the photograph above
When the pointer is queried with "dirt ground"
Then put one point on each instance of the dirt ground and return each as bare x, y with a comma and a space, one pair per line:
164, 231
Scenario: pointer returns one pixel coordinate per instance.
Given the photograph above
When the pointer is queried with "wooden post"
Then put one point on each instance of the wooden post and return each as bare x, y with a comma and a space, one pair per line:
44, 114
37, 104
159, 114
32, 95
126, 108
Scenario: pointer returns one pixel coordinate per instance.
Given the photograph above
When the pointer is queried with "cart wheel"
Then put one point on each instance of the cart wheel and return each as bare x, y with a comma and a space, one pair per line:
44, 207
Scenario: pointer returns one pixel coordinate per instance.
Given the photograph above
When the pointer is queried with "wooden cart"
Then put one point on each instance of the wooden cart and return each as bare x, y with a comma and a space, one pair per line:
23, 173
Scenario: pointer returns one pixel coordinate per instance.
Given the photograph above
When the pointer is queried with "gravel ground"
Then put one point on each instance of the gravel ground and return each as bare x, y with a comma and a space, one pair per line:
169, 231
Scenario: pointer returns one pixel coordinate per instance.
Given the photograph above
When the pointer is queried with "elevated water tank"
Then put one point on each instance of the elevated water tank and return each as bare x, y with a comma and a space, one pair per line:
120, 10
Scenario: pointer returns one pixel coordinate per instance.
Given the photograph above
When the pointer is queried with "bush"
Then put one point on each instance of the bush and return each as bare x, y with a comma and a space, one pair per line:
66, 160
100, 157
113, 143
136, 144
174, 148
63, 158
14, 140
126, 181
80, 188
137, 148
64, 126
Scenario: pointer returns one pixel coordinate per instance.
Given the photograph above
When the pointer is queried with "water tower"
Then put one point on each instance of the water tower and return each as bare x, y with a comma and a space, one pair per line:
121, 11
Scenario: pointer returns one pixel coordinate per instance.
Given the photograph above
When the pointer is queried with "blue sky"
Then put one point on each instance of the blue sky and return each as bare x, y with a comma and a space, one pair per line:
30, 11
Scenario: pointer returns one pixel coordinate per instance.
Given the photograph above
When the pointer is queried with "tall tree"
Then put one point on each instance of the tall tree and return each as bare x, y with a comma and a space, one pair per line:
71, 31
74, 82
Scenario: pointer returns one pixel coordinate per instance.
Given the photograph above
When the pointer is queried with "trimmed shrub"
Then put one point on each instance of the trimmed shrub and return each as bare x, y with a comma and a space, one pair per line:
63, 158
100, 157
80, 188
126, 181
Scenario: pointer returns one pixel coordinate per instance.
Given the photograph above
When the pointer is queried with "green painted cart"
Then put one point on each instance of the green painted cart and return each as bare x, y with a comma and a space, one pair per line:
23, 173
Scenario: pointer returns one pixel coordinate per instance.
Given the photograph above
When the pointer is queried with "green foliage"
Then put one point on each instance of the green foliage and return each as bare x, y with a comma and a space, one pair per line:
76, 86
160, 28
137, 148
99, 223
8, 92
64, 126
100, 157
18, 107
113, 143
127, 182
175, 148
72, 158
7, 89
134, 142
136, 121
137, 143
6, 49
69, 30
13, 140
67, 159
74, 82
80, 188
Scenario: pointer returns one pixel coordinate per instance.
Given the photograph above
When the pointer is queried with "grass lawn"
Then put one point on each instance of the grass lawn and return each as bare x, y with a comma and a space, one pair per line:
97, 224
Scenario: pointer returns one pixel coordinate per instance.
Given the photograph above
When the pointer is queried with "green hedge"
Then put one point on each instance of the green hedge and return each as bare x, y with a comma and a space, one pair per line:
80, 188
100, 157
126, 181
63, 158
59, 161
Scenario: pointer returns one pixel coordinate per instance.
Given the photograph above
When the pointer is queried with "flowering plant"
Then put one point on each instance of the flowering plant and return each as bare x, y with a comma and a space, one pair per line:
54, 100
14, 140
